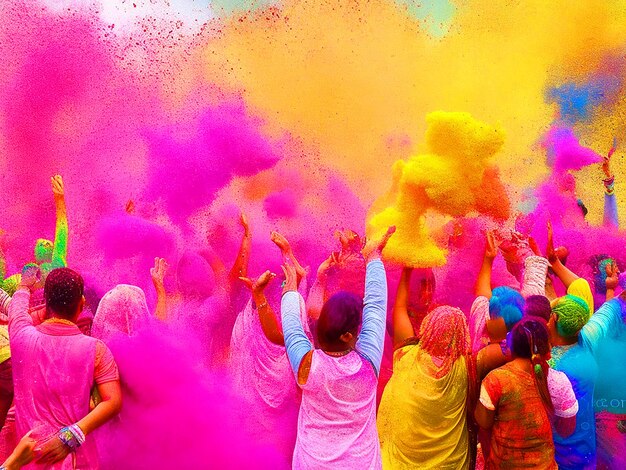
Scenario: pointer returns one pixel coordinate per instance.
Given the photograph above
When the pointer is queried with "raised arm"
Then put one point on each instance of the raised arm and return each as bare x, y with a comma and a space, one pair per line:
402, 326
372, 336
604, 322
269, 323
610, 201
483, 282
59, 251
297, 343
285, 249
317, 295
240, 267
563, 273
157, 273
19, 319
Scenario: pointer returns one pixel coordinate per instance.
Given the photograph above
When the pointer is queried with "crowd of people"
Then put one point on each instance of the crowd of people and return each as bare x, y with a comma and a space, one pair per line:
525, 379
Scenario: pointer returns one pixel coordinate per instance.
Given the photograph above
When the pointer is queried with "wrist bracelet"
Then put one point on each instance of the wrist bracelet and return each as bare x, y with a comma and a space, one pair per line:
263, 305
72, 436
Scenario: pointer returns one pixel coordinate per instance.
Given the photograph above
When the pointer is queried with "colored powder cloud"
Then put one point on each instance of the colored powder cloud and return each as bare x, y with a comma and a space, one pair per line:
564, 151
448, 179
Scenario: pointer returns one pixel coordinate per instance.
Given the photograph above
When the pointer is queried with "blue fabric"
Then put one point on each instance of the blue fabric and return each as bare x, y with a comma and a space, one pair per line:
372, 336
296, 341
610, 211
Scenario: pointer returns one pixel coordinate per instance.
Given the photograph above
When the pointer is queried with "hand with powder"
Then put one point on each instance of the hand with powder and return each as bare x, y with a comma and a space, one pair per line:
285, 248
291, 277
257, 286
373, 248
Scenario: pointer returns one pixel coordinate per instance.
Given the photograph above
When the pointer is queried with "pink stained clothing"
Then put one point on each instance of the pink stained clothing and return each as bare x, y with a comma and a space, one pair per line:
55, 367
479, 314
338, 399
262, 374
611, 450
122, 310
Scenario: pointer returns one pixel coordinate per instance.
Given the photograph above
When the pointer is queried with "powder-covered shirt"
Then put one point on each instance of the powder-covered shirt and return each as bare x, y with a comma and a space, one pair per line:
337, 419
54, 369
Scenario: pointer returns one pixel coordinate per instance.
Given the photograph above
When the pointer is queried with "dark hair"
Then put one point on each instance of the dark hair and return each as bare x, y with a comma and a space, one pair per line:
340, 314
538, 306
63, 292
530, 340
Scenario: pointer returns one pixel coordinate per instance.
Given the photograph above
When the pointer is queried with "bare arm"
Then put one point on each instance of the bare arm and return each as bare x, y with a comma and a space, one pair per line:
317, 295
158, 274
59, 251
484, 417
240, 267
563, 273
402, 326
110, 406
483, 283
269, 323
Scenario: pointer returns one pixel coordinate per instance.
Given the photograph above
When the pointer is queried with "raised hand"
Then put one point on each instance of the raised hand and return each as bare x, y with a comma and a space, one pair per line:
281, 242
606, 162
258, 285
612, 276
158, 272
58, 188
328, 263
373, 248
243, 221
550, 252
291, 277
491, 250
31, 275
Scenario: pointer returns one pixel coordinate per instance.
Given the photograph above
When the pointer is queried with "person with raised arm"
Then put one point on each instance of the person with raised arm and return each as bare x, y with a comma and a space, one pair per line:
259, 365
48, 255
44, 357
337, 419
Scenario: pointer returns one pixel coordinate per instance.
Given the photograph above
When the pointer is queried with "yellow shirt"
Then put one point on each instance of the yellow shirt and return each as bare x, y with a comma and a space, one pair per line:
421, 419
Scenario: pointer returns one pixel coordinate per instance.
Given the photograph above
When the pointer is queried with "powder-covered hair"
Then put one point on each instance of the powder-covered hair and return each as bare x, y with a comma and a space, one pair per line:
599, 264
530, 340
63, 291
340, 314
572, 314
537, 306
507, 303
444, 334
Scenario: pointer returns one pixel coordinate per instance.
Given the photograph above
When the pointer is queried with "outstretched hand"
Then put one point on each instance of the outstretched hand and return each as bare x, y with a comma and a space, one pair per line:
291, 277
280, 241
491, 249
57, 186
31, 275
606, 161
550, 252
328, 263
51, 451
158, 272
612, 276
373, 248
243, 221
258, 285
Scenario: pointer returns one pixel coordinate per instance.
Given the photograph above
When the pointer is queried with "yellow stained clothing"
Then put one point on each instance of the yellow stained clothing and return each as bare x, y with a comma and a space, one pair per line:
421, 419
580, 288
5, 349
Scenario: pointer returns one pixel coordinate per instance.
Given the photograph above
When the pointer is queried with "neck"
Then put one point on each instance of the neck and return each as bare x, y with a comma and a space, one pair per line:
558, 340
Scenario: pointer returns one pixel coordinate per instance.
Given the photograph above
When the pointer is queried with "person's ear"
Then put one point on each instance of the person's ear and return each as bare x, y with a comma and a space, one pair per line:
81, 304
346, 337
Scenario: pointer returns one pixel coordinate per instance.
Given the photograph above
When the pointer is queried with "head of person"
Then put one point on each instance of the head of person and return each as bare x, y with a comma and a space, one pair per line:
195, 277
569, 314
444, 334
63, 292
530, 340
508, 304
121, 310
599, 266
339, 321
43, 250
538, 306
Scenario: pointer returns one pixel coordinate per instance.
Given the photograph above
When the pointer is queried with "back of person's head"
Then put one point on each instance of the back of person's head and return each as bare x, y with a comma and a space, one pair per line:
43, 250
530, 340
599, 265
121, 310
507, 303
444, 334
340, 314
63, 292
195, 277
572, 313
538, 306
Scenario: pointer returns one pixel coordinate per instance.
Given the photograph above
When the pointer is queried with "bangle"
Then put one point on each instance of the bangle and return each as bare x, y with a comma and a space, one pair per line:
72, 436
263, 305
